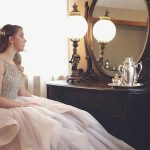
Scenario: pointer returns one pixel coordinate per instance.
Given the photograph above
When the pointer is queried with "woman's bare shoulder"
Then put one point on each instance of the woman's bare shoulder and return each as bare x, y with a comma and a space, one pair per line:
1, 58
1, 64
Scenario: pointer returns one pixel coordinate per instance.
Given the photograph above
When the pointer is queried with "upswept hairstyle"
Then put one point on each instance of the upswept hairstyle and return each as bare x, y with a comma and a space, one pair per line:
5, 32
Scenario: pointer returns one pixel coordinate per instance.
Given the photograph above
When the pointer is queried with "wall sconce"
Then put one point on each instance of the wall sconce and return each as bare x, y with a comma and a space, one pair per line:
104, 31
76, 27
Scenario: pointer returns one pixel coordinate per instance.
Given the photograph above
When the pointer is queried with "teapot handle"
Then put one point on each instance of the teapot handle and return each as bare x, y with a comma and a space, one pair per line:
139, 65
120, 69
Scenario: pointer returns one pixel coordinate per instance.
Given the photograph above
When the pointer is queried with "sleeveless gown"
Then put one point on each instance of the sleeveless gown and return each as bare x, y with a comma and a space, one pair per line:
51, 126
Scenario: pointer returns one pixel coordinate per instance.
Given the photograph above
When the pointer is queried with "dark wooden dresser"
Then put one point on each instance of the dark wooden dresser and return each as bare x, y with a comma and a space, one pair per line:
124, 112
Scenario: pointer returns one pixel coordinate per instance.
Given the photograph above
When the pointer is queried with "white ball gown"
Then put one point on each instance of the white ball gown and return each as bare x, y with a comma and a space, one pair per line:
51, 126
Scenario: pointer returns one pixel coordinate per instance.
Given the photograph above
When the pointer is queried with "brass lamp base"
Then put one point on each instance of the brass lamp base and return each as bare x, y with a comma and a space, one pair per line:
75, 77
76, 74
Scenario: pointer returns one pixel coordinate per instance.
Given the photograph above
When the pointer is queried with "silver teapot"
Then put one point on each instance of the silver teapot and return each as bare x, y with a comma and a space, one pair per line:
130, 71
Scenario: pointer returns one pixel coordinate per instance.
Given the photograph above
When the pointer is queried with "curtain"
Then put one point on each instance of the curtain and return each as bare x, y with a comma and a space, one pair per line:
46, 52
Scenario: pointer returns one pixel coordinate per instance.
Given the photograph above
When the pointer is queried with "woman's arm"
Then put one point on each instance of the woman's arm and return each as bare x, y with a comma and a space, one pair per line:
6, 103
22, 91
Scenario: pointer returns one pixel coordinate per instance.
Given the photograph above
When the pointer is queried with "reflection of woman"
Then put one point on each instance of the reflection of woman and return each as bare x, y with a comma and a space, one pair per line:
35, 123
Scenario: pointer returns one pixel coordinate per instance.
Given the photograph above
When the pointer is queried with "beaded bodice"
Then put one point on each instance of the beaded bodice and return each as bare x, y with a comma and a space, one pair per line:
11, 81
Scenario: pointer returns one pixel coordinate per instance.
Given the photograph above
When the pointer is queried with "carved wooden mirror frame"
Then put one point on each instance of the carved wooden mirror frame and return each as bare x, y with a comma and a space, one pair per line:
90, 74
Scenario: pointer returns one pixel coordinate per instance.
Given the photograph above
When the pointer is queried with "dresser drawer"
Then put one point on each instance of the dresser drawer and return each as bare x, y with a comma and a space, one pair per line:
115, 126
55, 93
70, 97
103, 104
64, 95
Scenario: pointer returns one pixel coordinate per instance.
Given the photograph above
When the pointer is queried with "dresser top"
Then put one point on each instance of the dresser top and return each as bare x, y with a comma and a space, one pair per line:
102, 86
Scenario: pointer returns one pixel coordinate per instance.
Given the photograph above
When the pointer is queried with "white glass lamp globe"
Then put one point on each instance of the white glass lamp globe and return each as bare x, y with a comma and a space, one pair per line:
76, 27
104, 31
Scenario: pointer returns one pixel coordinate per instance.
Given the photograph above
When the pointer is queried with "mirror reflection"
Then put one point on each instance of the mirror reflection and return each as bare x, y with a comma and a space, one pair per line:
131, 21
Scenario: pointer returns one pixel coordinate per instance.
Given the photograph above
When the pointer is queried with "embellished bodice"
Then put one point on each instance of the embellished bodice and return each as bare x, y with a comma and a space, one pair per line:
11, 81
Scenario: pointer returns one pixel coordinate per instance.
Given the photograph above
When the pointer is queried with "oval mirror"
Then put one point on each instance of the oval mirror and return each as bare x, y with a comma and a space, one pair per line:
131, 20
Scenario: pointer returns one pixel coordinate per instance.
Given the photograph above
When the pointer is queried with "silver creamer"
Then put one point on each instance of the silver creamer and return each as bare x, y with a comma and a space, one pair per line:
130, 71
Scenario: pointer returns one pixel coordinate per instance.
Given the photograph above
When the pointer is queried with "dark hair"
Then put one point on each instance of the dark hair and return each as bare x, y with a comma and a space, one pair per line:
5, 32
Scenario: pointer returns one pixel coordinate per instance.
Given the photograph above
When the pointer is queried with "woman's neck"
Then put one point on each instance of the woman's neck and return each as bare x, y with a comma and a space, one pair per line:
8, 55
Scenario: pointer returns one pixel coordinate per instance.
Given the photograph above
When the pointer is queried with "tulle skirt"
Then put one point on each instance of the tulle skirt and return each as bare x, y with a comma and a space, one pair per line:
53, 126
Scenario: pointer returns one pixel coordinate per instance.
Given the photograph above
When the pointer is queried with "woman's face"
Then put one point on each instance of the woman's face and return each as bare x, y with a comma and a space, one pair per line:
19, 41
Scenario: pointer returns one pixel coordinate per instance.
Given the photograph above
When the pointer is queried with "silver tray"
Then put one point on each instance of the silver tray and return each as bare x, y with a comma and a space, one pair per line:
125, 86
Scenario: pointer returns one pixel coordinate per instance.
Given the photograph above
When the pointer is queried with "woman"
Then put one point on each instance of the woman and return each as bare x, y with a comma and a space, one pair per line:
36, 123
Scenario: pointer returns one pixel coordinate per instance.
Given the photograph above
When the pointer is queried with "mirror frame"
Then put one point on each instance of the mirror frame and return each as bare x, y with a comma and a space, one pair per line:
145, 57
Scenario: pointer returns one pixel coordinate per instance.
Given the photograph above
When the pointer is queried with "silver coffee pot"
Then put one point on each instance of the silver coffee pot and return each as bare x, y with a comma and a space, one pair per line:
129, 71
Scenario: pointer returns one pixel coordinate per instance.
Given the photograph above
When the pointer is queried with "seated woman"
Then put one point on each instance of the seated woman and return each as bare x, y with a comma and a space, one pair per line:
34, 123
